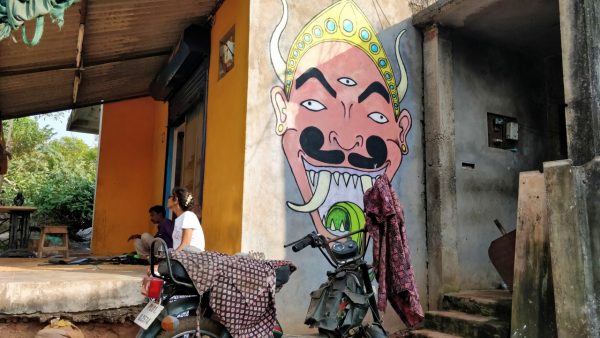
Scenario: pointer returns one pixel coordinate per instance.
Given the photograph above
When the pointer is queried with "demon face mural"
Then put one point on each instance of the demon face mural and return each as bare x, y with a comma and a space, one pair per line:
338, 114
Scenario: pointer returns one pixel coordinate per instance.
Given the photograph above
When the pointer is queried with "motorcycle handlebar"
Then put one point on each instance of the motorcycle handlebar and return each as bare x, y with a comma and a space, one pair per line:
317, 240
303, 243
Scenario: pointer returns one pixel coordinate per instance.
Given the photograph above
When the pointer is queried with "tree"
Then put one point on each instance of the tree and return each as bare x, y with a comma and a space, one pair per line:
27, 136
56, 176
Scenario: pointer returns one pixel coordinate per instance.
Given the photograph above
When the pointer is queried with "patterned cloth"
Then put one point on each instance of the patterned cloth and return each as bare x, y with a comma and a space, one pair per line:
391, 257
241, 289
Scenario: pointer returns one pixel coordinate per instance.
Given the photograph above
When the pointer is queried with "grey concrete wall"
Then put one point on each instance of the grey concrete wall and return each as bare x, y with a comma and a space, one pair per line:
490, 79
554, 119
533, 312
443, 275
580, 38
573, 209
270, 182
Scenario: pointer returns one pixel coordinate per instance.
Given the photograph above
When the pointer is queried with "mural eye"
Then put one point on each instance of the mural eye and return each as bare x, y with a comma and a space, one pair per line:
378, 117
313, 105
347, 81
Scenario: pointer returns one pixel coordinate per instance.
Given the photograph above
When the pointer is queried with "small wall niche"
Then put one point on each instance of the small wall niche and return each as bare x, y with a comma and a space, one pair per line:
503, 132
226, 52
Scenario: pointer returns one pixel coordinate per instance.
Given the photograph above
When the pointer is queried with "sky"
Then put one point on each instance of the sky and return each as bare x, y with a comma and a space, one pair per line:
58, 122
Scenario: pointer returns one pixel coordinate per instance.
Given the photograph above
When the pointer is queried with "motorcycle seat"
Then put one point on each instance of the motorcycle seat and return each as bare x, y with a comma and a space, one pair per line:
282, 273
179, 272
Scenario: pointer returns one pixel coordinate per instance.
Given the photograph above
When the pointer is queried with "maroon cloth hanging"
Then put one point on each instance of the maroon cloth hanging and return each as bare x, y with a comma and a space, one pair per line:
391, 257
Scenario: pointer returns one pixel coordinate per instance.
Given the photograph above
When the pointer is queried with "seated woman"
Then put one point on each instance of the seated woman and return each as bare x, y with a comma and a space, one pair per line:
187, 233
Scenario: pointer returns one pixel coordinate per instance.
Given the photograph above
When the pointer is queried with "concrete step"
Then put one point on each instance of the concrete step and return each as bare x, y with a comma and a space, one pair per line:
466, 325
28, 288
424, 333
496, 303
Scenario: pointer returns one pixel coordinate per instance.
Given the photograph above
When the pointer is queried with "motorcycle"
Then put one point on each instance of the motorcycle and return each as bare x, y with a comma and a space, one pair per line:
337, 308
174, 301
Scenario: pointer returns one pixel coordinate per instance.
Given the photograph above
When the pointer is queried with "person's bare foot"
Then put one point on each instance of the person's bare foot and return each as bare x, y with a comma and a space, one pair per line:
155, 271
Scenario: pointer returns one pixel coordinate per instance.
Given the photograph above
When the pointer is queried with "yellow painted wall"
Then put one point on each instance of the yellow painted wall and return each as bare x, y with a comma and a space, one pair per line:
130, 172
226, 132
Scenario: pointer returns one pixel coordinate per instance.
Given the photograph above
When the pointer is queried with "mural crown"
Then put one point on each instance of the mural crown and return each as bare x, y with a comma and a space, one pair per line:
343, 22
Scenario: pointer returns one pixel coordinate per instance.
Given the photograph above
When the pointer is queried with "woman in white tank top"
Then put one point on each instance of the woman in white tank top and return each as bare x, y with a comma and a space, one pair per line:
187, 232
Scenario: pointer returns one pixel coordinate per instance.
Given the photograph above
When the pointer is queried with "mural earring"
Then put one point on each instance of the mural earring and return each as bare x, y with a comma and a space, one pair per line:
280, 128
404, 149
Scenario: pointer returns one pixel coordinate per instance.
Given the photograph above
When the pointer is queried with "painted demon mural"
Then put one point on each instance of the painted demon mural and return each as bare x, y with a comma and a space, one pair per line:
339, 114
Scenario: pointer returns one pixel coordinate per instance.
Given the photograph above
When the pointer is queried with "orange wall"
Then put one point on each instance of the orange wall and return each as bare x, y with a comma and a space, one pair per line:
130, 172
226, 132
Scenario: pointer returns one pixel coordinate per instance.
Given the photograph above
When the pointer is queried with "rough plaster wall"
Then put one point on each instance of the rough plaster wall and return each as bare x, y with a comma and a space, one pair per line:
580, 25
488, 79
592, 180
268, 181
556, 141
573, 206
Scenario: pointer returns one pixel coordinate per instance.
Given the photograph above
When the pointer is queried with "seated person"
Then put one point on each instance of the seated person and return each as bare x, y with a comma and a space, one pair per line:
187, 233
165, 231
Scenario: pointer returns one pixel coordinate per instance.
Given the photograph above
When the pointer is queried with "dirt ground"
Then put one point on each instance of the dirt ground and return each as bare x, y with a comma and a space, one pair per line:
96, 330
90, 330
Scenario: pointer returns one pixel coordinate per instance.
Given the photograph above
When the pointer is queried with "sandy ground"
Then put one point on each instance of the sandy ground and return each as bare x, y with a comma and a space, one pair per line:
90, 330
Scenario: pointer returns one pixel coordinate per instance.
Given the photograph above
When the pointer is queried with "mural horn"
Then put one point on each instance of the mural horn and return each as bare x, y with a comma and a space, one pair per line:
276, 59
403, 83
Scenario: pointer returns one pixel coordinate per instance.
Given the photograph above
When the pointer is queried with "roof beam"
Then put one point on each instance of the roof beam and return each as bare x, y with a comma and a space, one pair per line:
52, 109
78, 59
48, 68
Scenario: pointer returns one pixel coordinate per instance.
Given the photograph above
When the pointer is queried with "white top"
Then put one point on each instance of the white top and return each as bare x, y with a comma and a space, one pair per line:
188, 220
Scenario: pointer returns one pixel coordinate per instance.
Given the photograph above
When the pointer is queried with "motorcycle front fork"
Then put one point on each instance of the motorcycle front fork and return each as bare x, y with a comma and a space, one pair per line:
364, 269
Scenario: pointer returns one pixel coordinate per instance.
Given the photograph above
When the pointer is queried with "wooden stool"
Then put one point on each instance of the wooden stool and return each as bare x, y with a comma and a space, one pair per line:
54, 230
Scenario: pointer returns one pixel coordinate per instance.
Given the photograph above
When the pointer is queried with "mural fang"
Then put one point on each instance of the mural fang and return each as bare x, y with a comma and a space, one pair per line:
338, 113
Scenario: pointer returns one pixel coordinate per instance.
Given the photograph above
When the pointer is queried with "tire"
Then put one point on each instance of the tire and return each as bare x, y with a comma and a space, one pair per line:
328, 334
187, 329
375, 331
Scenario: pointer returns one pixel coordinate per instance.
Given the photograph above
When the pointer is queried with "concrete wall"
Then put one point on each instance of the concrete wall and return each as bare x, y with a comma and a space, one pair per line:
573, 219
443, 274
580, 37
490, 79
276, 118
533, 313
225, 135
131, 164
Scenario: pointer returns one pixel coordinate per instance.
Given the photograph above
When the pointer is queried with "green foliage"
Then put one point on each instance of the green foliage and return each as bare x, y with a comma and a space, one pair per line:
27, 136
56, 176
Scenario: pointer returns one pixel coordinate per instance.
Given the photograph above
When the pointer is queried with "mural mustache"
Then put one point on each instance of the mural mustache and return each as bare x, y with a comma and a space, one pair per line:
312, 141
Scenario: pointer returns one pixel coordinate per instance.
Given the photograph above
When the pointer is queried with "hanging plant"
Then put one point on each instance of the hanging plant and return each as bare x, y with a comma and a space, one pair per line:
14, 13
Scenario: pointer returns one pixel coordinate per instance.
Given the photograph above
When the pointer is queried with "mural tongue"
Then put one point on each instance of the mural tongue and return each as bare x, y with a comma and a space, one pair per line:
345, 217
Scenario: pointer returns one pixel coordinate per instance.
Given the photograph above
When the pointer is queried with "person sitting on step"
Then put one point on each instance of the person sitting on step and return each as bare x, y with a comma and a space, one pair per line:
165, 231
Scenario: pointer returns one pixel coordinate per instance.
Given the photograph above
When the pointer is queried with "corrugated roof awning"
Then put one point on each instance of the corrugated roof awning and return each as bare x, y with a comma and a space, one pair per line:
125, 42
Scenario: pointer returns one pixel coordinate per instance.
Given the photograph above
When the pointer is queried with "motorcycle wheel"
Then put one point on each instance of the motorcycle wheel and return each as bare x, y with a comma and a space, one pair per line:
375, 331
187, 329
328, 334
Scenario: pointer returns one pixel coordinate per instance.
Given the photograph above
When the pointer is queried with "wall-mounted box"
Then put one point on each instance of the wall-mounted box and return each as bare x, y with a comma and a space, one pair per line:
503, 132
227, 52
512, 131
